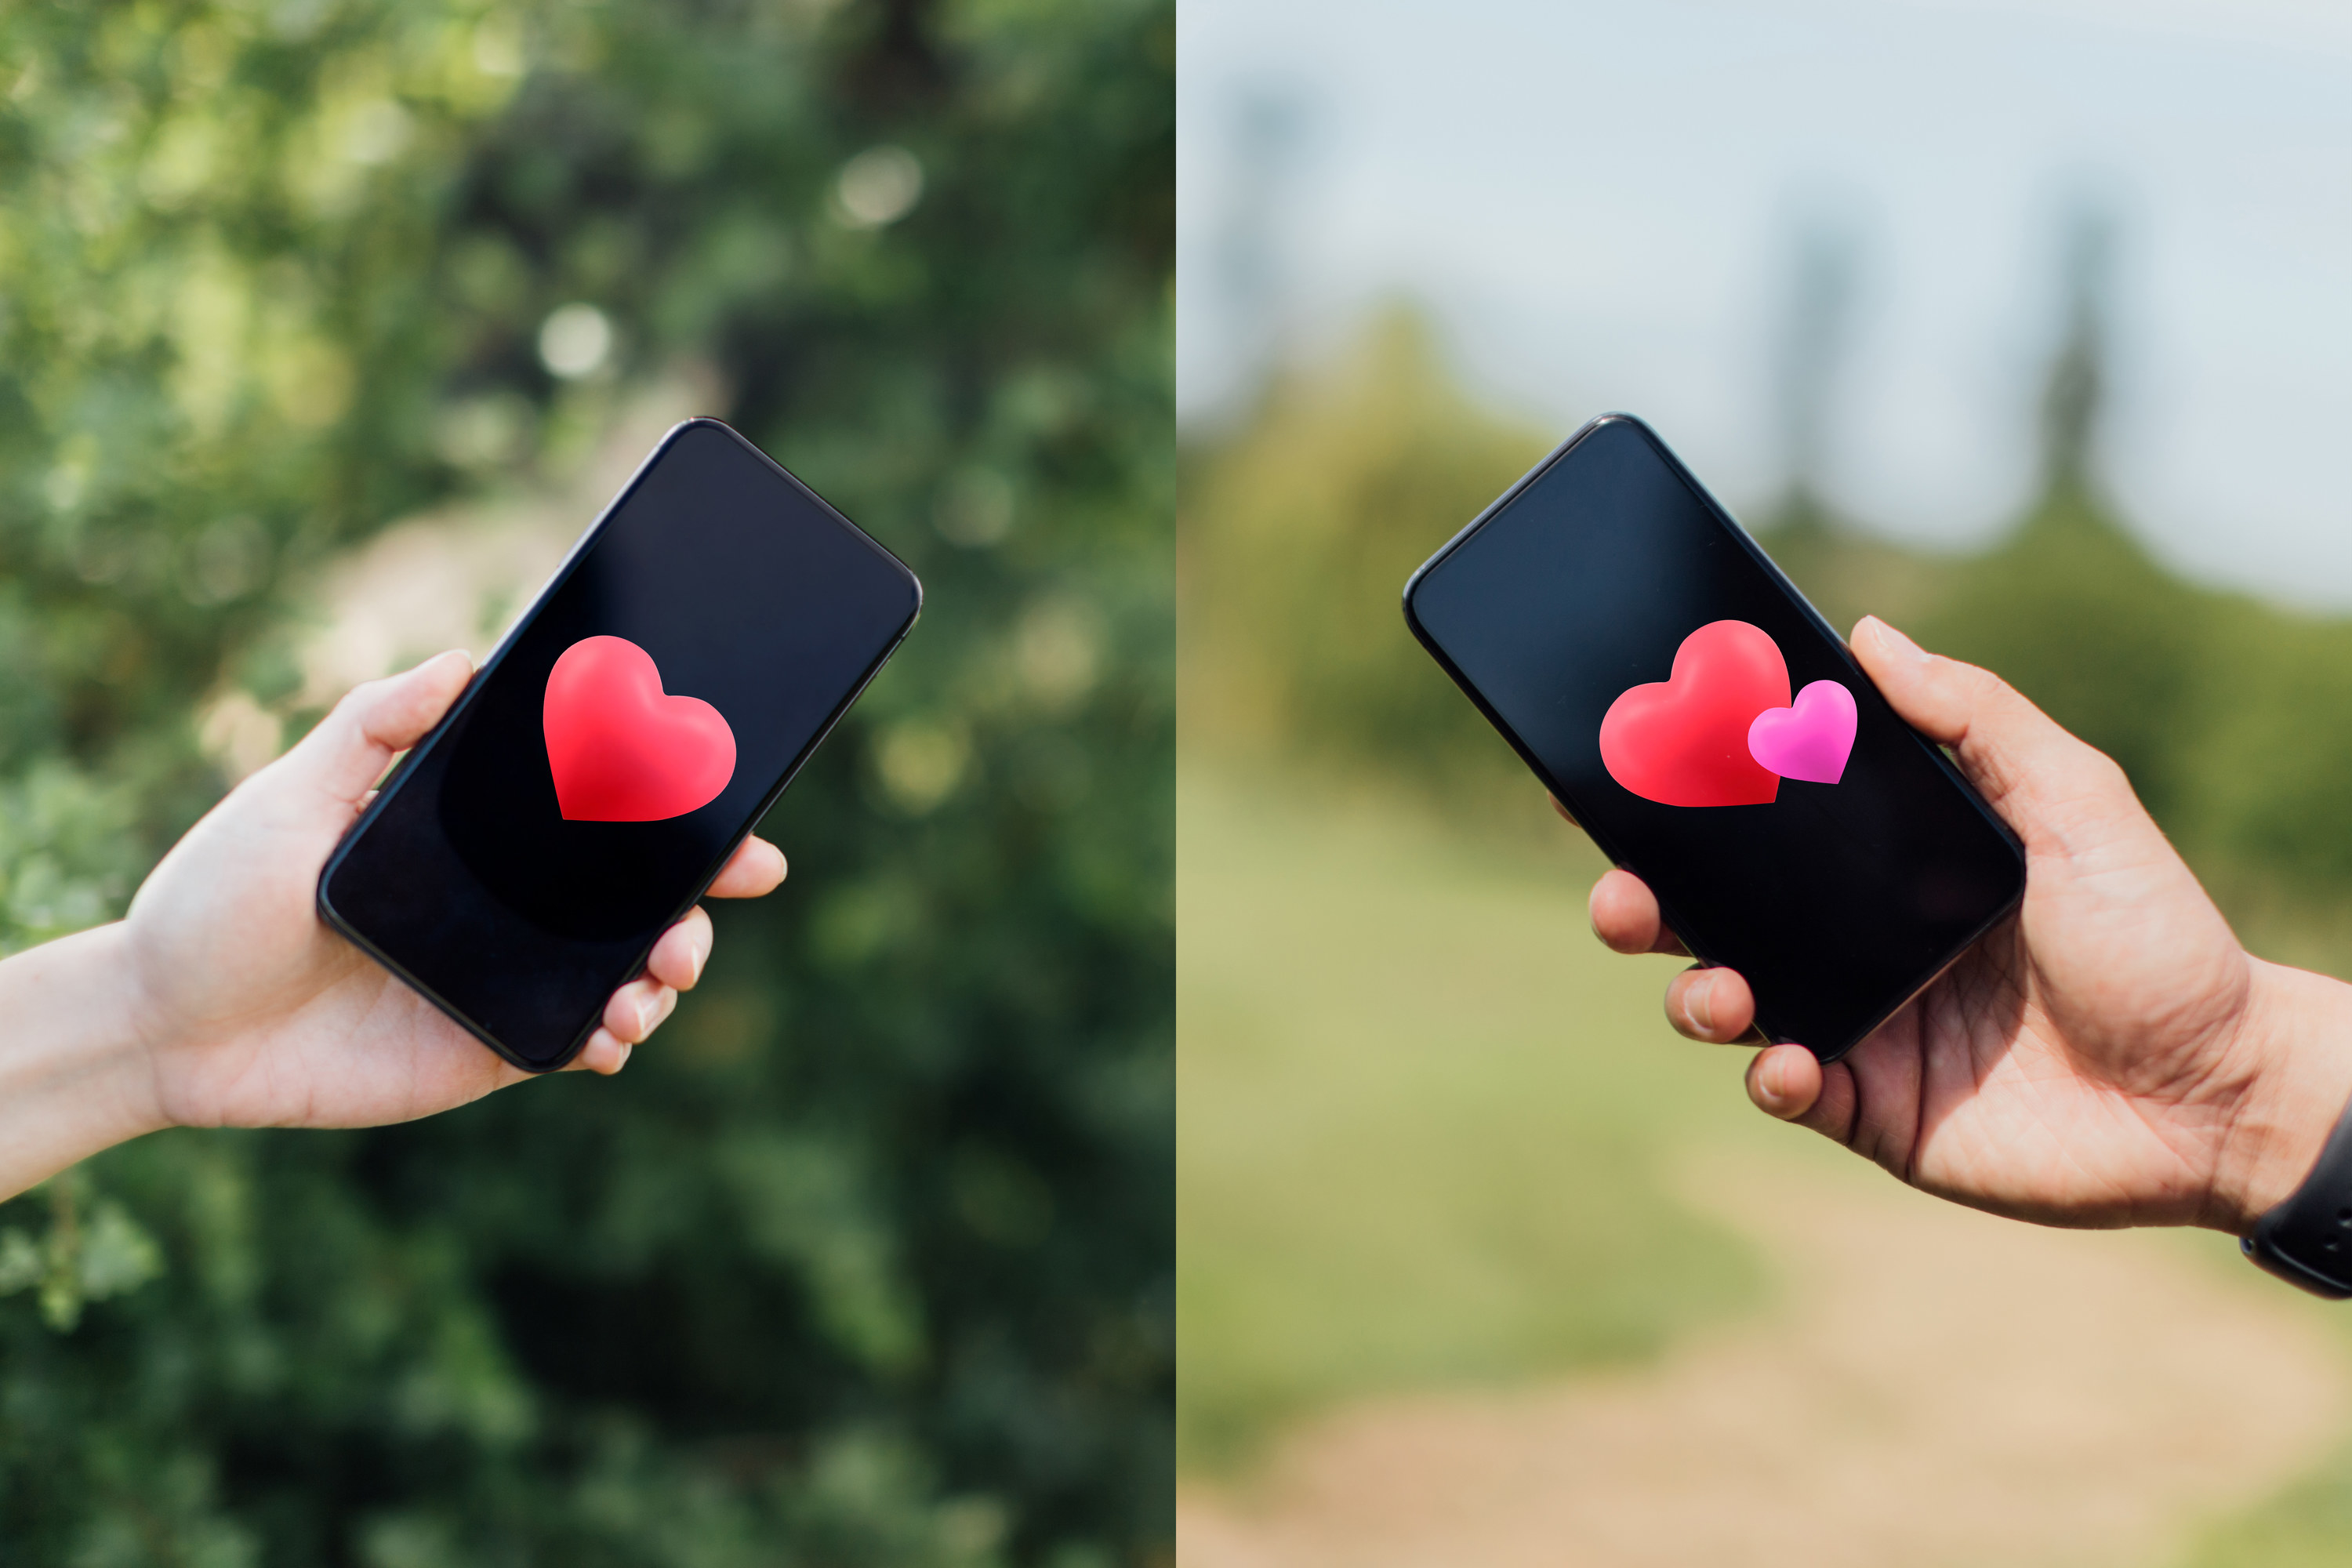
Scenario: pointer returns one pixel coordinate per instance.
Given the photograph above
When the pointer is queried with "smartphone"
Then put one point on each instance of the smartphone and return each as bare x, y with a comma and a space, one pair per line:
1673, 691
688, 657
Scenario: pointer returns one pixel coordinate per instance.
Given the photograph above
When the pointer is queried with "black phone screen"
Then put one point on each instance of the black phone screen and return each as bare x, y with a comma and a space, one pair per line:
619, 744
1673, 689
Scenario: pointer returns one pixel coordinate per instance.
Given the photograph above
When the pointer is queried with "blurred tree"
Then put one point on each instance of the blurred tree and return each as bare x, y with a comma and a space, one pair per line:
2069, 608
1265, 127
1816, 340
1841, 568
2073, 392
868, 1261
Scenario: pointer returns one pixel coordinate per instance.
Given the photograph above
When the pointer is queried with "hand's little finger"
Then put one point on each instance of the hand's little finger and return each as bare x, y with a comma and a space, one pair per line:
1710, 1005
603, 1054
677, 958
637, 1009
756, 869
1785, 1081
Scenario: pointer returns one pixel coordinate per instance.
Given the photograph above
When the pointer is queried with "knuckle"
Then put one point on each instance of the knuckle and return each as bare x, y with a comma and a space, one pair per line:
366, 691
2104, 774
1982, 685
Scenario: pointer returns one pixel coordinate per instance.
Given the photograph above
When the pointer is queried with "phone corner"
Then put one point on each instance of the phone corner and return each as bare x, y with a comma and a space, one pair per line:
2016, 899
1405, 597
1827, 1057
911, 611
541, 1070
323, 898
1409, 596
2021, 865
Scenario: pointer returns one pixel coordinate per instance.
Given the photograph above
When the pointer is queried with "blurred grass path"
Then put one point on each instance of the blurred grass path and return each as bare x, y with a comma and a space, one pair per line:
1938, 1388
1440, 1163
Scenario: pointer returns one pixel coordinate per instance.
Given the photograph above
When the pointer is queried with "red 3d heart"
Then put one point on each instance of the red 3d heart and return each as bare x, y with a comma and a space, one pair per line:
621, 749
1684, 740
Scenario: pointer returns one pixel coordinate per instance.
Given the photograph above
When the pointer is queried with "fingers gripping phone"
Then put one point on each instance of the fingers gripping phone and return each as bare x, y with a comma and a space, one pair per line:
1674, 692
619, 744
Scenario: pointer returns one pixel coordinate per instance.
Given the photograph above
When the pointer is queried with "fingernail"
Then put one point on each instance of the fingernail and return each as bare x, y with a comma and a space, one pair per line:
1770, 1087
1698, 1007
1896, 642
644, 1017
701, 957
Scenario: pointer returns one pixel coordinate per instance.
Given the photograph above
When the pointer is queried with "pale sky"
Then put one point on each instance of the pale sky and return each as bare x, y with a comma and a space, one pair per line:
1599, 202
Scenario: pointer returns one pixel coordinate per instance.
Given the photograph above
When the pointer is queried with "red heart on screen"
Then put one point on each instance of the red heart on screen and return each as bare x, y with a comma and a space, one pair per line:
1684, 740
622, 750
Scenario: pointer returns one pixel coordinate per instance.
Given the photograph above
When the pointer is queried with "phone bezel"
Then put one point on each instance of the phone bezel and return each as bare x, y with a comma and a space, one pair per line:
1693, 936
398, 777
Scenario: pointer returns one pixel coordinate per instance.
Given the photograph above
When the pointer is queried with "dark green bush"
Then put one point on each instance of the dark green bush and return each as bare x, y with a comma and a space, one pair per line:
867, 1259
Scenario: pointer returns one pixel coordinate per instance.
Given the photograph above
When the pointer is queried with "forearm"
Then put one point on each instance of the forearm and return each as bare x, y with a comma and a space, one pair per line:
2293, 1064
74, 1077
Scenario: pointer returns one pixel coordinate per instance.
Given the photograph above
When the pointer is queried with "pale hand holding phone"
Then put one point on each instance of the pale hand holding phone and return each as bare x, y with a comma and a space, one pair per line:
223, 1000
707, 633
2112, 1056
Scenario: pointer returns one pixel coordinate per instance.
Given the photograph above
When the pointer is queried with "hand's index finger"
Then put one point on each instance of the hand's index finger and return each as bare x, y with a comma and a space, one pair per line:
1625, 916
755, 869
1660, 938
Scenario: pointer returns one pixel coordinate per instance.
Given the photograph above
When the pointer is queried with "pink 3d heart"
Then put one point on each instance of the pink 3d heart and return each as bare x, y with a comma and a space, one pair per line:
1810, 739
621, 749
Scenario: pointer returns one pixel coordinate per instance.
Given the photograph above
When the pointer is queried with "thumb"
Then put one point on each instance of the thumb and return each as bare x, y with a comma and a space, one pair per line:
2019, 758
355, 743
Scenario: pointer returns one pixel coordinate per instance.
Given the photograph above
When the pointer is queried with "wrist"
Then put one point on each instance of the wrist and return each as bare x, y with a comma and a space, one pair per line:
75, 1073
2290, 1068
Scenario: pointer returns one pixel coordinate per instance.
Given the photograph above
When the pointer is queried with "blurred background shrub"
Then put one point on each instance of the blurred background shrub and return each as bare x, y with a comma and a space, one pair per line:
869, 1260
1301, 523
1297, 527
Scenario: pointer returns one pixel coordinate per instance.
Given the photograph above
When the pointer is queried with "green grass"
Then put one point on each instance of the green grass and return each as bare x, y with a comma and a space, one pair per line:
2309, 1525
2305, 1524
1424, 1125
1423, 1116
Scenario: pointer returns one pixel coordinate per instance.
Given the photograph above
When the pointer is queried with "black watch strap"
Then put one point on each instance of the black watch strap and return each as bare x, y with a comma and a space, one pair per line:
2307, 1240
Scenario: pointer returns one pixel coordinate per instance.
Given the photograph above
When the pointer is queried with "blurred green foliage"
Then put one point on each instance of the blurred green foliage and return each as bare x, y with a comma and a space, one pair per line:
1295, 538
869, 1260
2228, 714
1297, 533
